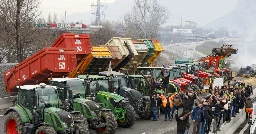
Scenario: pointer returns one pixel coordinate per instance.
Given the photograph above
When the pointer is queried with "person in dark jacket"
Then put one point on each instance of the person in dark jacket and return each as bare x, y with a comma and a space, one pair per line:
188, 103
205, 118
153, 100
159, 102
218, 112
182, 122
196, 116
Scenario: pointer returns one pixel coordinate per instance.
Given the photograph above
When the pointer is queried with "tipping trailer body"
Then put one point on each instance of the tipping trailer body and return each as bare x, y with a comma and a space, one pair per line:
39, 66
94, 62
151, 48
122, 51
100, 59
142, 51
157, 51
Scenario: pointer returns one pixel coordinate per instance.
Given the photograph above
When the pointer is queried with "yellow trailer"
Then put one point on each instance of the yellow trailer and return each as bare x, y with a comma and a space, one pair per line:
93, 63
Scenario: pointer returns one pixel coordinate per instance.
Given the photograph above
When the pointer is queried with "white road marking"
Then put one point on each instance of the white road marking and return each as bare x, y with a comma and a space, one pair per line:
162, 130
243, 130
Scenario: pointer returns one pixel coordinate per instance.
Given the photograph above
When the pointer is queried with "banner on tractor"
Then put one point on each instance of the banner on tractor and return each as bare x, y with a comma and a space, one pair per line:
218, 82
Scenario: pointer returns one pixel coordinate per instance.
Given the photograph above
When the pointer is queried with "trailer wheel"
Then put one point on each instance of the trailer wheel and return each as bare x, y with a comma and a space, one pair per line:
13, 124
129, 117
147, 115
45, 130
111, 124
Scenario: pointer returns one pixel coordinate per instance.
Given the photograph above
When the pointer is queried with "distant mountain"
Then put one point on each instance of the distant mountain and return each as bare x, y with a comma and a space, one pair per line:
242, 19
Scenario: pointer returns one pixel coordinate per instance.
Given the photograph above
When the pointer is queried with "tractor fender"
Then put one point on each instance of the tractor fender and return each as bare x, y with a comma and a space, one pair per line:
21, 112
146, 98
105, 109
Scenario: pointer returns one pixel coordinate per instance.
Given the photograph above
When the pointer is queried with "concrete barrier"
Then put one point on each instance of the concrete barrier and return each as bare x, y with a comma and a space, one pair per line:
230, 128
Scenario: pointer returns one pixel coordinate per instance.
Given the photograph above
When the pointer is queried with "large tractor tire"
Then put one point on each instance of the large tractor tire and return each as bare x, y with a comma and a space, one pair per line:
111, 124
147, 115
82, 127
13, 124
45, 130
129, 117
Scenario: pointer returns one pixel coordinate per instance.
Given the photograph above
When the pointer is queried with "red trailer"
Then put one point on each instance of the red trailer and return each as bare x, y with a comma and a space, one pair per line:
38, 67
80, 42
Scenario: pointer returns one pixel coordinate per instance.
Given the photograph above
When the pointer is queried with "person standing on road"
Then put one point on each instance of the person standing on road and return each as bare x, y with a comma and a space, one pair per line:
158, 99
182, 122
176, 103
214, 120
166, 102
205, 118
153, 105
248, 107
196, 116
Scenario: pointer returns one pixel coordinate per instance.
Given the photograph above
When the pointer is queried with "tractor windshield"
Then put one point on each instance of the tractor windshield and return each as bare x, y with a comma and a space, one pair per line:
103, 85
77, 86
139, 83
176, 73
47, 95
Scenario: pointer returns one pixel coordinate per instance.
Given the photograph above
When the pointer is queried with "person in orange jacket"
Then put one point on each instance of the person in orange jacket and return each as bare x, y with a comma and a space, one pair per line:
167, 104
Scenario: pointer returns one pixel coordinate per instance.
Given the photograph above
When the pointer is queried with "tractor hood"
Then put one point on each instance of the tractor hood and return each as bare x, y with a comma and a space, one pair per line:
89, 103
63, 115
111, 95
130, 93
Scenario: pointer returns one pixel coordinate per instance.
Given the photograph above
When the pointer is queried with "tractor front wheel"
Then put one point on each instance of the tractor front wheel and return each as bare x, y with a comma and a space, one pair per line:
45, 130
147, 115
111, 124
82, 127
129, 117
13, 124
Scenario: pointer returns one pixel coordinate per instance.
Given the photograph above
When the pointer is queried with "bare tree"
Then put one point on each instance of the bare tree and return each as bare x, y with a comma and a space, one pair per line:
17, 18
145, 19
108, 30
49, 19
55, 18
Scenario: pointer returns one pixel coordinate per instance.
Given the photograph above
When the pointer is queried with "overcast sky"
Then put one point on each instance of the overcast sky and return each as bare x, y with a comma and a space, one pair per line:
200, 11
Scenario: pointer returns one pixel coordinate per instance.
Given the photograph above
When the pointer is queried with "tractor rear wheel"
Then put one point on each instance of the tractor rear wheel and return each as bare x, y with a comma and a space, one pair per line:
147, 115
13, 124
45, 130
129, 117
111, 124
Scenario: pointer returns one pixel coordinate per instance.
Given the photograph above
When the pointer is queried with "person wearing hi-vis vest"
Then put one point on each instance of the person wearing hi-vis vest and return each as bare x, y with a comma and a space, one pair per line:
167, 104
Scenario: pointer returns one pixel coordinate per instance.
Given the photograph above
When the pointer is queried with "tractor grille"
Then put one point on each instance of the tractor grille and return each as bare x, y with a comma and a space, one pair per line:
65, 117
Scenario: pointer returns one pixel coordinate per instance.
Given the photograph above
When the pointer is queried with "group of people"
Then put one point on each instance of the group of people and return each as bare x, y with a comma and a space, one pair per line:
206, 113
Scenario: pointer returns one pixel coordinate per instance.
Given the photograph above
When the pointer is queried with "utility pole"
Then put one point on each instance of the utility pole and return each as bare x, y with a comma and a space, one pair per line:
98, 12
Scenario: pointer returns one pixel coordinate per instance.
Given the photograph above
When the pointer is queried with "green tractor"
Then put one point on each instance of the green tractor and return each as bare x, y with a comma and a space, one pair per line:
72, 94
35, 111
128, 87
102, 90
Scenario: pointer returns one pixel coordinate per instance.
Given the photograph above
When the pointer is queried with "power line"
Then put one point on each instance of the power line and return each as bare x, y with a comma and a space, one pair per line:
98, 12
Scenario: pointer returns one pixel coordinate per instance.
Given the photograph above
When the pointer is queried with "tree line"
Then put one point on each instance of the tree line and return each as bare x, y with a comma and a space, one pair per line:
19, 38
